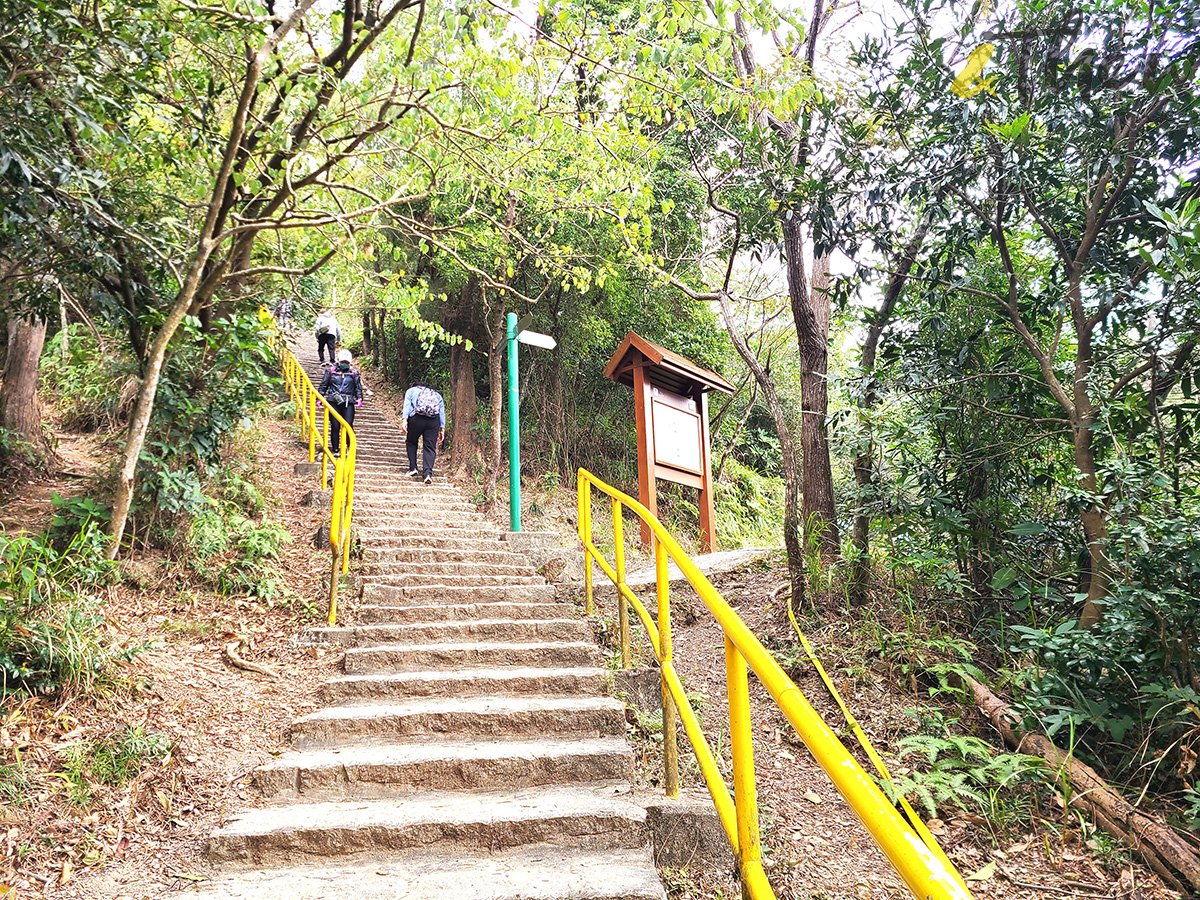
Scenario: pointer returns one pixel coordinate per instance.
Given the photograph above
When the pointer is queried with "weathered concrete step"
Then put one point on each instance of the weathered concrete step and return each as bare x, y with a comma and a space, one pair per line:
482, 536
382, 592
407, 657
463, 717
528, 873
436, 572
423, 519
472, 542
461, 612
492, 630
389, 507
400, 578
385, 552
370, 688
428, 524
444, 824
376, 771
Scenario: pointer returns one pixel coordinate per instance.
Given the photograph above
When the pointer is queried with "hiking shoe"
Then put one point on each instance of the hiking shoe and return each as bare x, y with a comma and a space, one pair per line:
412, 472
429, 479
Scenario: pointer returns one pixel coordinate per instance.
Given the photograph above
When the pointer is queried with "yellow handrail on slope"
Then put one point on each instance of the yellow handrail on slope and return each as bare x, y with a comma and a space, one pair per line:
305, 397
914, 854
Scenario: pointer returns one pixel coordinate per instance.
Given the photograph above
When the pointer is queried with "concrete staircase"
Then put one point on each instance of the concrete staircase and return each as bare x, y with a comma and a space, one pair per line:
469, 751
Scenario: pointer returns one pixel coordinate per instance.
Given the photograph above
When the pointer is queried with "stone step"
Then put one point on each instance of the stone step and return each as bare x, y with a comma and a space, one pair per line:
427, 523
480, 536
489, 630
381, 592
432, 510
429, 718
443, 824
410, 657
536, 872
401, 578
377, 686
382, 552
461, 612
381, 770
378, 537
436, 573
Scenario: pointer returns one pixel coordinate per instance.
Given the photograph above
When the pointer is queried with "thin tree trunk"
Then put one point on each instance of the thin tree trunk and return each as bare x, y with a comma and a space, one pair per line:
366, 333
810, 311
193, 284
382, 343
401, 355
791, 475
737, 432
20, 409
496, 394
465, 451
864, 459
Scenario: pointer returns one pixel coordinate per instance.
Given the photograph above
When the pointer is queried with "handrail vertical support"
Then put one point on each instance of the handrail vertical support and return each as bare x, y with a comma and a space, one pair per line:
622, 604
670, 738
312, 431
745, 798
585, 535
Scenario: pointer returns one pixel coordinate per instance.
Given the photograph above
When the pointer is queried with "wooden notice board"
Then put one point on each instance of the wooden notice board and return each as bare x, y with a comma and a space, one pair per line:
670, 396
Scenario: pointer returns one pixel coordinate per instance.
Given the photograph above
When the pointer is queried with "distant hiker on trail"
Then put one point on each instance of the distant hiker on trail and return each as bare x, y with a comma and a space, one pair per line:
342, 388
283, 314
424, 419
328, 335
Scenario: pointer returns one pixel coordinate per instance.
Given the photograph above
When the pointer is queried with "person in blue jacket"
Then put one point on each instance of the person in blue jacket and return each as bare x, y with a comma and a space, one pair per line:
424, 419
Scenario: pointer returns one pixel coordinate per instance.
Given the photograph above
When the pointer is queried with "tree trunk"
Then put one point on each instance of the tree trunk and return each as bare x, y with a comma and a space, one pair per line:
864, 459
810, 310
366, 333
496, 394
791, 475
401, 372
382, 344
1093, 515
20, 409
465, 452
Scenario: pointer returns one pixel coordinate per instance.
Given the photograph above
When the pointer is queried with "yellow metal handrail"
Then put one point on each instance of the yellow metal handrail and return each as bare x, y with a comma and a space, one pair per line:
305, 397
912, 851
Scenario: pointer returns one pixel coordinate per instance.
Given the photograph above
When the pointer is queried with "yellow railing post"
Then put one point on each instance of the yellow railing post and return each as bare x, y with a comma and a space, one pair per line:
622, 605
312, 432
585, 535
745, 799
297, 397
670, 739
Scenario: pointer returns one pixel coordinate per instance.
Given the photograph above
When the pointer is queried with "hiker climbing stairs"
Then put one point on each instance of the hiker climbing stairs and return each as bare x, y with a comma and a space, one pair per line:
469, 750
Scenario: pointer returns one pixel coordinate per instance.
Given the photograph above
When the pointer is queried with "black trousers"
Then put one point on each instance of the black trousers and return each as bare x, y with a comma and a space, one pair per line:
426, 428
323, 341
335, 427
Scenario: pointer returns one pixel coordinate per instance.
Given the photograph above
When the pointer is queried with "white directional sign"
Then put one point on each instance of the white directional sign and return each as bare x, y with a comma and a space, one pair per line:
534, 339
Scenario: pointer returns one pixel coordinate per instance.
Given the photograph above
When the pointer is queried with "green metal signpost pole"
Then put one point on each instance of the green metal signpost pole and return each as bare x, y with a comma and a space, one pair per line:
514, 429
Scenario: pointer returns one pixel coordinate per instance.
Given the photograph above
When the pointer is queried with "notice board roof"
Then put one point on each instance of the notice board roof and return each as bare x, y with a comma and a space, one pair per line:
664, 368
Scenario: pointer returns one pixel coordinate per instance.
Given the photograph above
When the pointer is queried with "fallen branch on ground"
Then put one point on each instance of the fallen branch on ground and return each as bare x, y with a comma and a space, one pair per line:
231, 654
1166, 852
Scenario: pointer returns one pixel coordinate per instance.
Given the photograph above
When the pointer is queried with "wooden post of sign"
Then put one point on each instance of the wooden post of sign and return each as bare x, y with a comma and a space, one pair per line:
643, 416
670, 406
704, 503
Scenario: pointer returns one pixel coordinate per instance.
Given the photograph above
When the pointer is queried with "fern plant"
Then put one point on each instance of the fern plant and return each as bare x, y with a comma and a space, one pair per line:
963, 772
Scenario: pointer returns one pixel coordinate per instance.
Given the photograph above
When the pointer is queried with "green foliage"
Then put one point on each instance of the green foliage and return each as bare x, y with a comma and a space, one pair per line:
51, 634
110, 761
72, 516
960, 771
749, 507
17, 788
93, 384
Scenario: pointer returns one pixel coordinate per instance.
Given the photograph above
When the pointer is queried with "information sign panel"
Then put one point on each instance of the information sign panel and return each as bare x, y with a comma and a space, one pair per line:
677, 437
